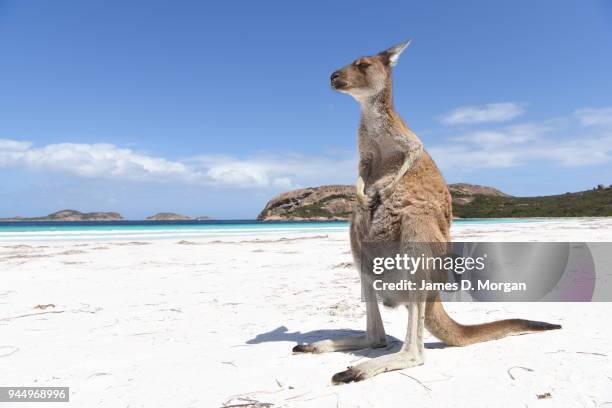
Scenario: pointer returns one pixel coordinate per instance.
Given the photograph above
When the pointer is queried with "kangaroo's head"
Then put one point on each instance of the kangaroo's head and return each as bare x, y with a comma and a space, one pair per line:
367, 76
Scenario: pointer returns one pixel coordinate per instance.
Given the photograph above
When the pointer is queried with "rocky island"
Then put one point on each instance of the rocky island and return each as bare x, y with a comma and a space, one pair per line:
168, 216
71, 215
333, 202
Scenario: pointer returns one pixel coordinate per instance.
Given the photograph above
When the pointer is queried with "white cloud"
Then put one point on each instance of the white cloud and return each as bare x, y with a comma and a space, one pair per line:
594, 116
491, 112
570, 141
511, 135
13, 145
107, 161
556, 141
90, 160
279, 170
583, 152
468, 158
580, 152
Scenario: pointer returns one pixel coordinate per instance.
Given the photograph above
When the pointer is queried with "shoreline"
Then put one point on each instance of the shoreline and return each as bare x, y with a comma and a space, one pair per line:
499, 230
271, 221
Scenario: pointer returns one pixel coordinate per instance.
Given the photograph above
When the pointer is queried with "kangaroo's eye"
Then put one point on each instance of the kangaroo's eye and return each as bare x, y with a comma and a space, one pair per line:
363, 65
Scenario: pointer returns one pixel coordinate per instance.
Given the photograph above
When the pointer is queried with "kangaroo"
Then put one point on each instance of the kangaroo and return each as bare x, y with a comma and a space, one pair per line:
401, 197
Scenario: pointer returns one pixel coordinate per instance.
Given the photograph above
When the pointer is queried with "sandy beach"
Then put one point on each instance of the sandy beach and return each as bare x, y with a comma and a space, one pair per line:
211, 321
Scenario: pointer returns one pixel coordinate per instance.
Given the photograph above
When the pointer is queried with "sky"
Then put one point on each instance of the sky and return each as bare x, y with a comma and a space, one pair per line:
212, 108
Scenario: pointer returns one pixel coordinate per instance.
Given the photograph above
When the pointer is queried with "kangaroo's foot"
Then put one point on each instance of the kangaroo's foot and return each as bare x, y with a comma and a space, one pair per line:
341, 344
412, 352
382, 364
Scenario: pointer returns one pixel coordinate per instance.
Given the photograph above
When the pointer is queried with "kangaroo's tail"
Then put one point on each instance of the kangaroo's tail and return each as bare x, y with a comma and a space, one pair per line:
441, 325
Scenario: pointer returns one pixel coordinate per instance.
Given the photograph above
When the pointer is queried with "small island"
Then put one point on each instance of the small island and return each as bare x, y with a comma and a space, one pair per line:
74, 215
71, 215
168, 216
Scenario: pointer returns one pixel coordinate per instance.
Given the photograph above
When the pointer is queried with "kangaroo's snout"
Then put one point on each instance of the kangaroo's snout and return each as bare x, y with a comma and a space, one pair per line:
336, 80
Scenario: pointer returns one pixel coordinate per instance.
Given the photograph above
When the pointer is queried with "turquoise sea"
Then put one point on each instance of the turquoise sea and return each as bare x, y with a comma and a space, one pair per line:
52, 230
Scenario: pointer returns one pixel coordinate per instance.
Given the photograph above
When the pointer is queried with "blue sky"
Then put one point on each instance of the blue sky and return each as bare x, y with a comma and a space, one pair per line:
210, 109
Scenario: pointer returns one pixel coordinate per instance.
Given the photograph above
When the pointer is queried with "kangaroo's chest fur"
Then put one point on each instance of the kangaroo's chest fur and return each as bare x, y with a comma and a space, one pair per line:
379, 155
386, 144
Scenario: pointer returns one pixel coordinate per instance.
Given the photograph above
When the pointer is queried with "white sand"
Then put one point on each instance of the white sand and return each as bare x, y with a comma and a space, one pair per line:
203, 323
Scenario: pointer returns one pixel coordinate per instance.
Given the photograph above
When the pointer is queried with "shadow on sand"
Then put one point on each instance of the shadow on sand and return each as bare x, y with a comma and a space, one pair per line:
281, 333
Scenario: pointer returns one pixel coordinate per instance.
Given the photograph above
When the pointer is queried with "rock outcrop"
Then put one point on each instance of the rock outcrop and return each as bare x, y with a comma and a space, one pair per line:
464, 193
469, 201
335, 202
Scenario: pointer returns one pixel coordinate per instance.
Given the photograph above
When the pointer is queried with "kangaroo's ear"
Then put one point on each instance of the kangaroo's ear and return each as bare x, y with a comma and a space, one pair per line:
391, 56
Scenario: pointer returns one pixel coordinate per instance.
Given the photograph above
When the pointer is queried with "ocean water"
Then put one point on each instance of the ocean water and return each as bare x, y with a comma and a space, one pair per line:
132, 230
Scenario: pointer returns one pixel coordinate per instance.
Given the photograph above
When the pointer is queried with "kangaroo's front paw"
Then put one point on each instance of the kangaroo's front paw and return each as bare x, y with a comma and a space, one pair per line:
362, 198
370, 200
350, 375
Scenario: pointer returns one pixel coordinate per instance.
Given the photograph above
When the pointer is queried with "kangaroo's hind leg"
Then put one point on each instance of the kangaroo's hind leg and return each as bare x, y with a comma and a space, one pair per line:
375, 336
410, 355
